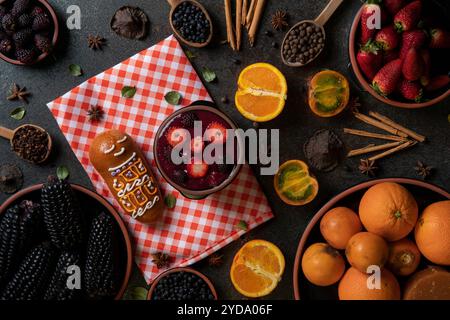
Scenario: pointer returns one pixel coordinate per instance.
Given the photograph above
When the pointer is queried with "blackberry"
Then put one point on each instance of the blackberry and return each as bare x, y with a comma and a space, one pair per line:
99, 269
43, 43
41, 22
179, 176
57, 289
19, 7
188, 119
3, 11
26, 56
9, 242
31, 224
22, 38
9, 23
37, 11
24, 20
6, 46
61, 214
32, 275
182, 286
191, 22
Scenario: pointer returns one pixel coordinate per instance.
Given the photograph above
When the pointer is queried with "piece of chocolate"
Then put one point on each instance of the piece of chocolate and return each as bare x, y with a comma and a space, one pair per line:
323, 150
11, 178
130, 22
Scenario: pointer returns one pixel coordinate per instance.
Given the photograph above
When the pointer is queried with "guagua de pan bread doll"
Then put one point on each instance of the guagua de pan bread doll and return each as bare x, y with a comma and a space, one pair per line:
117, 158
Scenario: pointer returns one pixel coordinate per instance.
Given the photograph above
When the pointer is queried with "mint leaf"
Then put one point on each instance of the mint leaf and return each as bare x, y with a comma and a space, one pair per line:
137, 293
173, 98
75, 70
128, 92
18, 113
242, 225
170, 201
62, 172
190, 55
208, 75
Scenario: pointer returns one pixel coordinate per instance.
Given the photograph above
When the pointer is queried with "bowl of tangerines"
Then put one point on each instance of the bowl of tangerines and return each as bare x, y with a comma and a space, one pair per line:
385, 239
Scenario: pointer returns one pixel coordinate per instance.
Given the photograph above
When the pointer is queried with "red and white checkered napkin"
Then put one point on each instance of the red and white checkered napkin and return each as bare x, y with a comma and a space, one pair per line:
193, 229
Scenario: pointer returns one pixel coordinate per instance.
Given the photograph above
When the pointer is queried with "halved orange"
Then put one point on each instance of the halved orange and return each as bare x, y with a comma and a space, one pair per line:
261, 94
257, 268
294, 185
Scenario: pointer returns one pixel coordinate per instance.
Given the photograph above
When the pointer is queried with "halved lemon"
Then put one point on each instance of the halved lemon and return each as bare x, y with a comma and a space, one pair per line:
294, 185
262, 92
257, 268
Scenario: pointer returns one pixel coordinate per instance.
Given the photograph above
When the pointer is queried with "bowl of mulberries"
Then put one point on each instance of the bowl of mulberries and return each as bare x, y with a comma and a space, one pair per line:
28, 31
59, 242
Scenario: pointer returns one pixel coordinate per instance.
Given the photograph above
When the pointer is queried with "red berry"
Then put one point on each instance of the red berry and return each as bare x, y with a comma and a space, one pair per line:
368, 11
369, 59
176, 135
438, 82
411, 90
414, 39
412, 65
440, 39
216, 133
387, 38
388, 78
393, 6
197, 145
408, 17
196, 170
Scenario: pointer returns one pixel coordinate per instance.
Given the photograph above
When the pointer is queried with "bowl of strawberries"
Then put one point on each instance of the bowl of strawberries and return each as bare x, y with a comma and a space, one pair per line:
398, 51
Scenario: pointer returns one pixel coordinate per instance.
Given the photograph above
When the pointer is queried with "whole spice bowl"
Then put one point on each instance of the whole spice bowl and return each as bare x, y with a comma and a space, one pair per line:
89, 199
34, 32
190, 22
197, 181
423, 192
194, 277
439, 8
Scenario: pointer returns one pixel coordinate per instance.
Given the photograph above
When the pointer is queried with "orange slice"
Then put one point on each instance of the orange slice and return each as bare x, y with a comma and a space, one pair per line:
294, 185
329, 93
261, 94
257, 268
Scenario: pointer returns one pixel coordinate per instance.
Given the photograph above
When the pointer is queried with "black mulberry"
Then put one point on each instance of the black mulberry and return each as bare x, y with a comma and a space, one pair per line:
24, 20
19, 7
9, 242
9, 22
37, 11
30, 280
6, 46
41, 22
43, 43
31, 225
61, 214
22, 38
99, 270
58, 289
26, 56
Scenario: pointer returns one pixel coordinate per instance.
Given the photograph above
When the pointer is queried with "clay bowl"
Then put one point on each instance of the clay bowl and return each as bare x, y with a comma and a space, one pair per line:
90, 199
54, 19
353, 49
174, 4
424, 193
181, 269
197, 194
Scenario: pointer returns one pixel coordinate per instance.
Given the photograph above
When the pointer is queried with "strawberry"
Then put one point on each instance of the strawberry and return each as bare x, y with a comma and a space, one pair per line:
176, 135
393, 6
389, 56
367, 14
412, 39
411, 90
426, 58
440, 39
408, 17
197, 144
412, 65
216, 133
387, 79
196, 170
369, 59
387, 38
438, 82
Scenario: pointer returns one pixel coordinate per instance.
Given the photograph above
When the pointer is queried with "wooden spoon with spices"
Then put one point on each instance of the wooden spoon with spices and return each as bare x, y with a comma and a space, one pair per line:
12, 136
174, 5
318, 28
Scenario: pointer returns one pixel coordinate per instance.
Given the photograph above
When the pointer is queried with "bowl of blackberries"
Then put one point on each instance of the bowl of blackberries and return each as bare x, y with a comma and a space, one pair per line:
182, 284
28, 31
60, 241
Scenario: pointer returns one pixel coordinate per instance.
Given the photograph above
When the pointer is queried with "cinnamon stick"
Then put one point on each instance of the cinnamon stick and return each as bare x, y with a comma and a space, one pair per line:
251, 11
238, 23
373, 148
230, 32
367, 134
397, 126
255, 21
244, 12
405, 145
379, 125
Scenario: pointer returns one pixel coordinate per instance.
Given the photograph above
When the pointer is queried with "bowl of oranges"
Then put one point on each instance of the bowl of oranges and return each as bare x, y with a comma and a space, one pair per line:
386, 239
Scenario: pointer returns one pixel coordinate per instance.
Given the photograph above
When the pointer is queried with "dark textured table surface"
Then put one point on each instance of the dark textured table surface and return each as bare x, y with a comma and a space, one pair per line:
51, 79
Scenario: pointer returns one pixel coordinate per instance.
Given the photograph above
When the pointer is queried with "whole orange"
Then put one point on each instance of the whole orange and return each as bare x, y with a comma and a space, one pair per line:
322, 265
366, 249
432, 233
354, 285
404, 257
389, 210
338, 225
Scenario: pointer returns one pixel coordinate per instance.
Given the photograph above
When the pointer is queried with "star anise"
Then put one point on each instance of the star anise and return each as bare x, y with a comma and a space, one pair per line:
96, 42
279, 20
423, 170
95, 113
17, 92
215, 260
367, 167
161, 260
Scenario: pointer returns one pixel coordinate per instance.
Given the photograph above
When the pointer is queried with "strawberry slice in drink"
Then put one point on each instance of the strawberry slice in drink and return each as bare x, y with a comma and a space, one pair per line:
197, 169
216, 133
176, 135
197, 145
